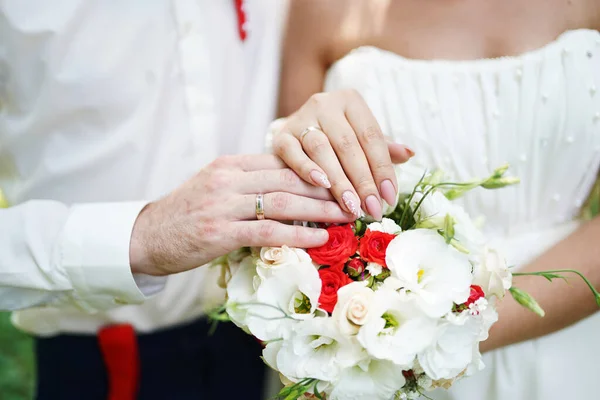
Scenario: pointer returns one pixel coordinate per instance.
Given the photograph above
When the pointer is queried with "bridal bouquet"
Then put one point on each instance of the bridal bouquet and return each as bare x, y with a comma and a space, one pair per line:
385, 310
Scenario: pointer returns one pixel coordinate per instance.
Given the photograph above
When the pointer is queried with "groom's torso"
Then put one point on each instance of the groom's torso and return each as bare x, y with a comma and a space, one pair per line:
112, 101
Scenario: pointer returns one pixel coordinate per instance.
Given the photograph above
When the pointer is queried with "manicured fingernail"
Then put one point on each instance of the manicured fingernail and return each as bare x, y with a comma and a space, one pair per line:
373, 207
351, 203
410, 151
320, 179
388, 192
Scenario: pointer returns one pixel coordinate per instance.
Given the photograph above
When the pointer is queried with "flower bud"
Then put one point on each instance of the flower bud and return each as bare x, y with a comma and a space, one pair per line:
496, 183
526, 300
500, 171
355, 267
385, 273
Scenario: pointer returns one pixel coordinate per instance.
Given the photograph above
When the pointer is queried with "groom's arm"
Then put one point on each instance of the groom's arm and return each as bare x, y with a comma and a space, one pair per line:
59, 255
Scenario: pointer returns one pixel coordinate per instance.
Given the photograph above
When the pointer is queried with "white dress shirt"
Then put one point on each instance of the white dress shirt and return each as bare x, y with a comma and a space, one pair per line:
105, 106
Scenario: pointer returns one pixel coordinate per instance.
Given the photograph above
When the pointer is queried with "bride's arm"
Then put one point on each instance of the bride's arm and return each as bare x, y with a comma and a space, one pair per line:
564, 303
311, 31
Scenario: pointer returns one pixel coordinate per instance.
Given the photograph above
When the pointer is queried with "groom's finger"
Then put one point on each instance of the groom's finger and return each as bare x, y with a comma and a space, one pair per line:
279, 180
255, 162
270, 233
284, 206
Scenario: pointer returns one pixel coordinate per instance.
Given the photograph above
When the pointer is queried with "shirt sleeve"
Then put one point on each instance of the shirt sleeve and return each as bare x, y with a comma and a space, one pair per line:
65, 256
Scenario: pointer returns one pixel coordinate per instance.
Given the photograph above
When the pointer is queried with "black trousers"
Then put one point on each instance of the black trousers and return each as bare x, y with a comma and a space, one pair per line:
180, 363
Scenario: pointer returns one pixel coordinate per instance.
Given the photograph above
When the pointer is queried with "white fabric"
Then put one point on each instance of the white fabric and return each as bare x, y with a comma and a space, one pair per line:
539, 112
103, 107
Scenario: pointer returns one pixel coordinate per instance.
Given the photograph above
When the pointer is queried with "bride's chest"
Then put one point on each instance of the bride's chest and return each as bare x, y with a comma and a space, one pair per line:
540, 113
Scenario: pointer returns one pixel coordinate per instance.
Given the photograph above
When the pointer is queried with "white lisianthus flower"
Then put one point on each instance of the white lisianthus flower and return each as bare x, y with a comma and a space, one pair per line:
317, 349
352, 308
396, 329
374, 269
386, 225
284, 297
437, 206
241, 290
492, 274
430, 271
373, 379
452, 350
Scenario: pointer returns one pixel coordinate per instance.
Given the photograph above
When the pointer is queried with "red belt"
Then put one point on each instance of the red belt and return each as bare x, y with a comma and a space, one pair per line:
119, 347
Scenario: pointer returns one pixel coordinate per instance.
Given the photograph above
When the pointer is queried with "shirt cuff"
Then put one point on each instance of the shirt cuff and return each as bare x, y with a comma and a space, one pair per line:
94, 251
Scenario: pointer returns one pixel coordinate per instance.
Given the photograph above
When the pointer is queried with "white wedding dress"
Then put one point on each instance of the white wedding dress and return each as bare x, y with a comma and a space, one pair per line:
540, 112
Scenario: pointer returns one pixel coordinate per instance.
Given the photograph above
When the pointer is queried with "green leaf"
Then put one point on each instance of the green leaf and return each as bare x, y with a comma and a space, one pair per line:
448, 228
526, 300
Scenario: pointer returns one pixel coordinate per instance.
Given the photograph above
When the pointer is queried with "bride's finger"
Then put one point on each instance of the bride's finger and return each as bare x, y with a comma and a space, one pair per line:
374, 145
319, 149
279, 180
284, 206
289, 149
352, 157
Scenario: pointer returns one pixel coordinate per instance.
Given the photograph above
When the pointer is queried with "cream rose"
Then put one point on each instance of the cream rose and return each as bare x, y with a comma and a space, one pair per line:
276, 257
352, 308
492, 274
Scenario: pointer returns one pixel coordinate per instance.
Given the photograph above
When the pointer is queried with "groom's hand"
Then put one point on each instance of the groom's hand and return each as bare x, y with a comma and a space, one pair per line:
334, 141
215, 212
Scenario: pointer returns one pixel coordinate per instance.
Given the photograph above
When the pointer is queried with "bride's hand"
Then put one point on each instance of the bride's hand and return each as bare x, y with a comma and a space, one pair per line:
216, 212
334, 141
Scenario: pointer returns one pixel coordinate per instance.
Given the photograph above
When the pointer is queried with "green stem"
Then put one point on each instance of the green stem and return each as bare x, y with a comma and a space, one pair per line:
557, 271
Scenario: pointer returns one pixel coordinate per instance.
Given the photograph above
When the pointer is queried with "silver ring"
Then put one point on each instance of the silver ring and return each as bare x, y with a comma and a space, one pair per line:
309, 129
260, 209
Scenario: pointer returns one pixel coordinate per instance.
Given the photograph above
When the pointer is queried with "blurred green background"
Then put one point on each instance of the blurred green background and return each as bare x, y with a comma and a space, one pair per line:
17, 373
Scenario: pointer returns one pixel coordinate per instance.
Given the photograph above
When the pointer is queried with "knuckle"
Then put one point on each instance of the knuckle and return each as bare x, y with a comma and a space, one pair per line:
364, 184
289, 178
372, 134
316, 145
280, 202
217, 179
243, 235
266, 230
328, 208
381, 166
223, 162
351, 93
346, 143
318, 99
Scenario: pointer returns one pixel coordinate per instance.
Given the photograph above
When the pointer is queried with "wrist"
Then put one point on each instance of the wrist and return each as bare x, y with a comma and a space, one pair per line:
140, 260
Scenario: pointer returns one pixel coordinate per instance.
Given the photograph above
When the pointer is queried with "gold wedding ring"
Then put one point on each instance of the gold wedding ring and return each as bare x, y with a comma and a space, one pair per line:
260, 209
309, 129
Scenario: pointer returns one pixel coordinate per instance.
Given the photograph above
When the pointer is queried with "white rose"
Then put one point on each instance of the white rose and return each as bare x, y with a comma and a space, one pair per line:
492, 274
352, 308
272, 258
293, 292
386, 225
371, 380
396, 329
430, 271
374, 269
317, 350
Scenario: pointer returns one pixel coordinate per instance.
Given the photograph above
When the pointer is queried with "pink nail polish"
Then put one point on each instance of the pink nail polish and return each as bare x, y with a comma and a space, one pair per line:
352, 204
320, 179
388, 192
410, 151
374, 207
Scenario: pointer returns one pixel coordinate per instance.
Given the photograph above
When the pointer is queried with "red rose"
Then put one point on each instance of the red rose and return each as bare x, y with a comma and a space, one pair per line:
476, 294
341, 244
332, 278
373, 245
